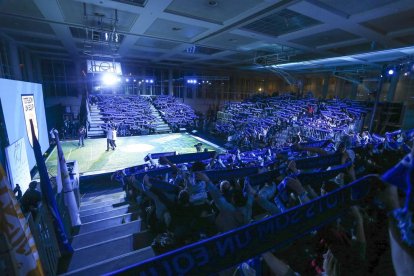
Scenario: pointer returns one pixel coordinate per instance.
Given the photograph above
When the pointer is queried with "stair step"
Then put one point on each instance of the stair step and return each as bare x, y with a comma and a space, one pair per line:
100, 194
108, 223
101, 209
101, 203
109, 249
95, 237
107, 214
114, 264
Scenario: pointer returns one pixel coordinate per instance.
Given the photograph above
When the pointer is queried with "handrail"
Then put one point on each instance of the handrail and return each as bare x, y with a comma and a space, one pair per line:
43, 233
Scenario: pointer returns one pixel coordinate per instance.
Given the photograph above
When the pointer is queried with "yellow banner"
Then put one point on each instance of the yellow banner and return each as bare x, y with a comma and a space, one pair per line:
16, 229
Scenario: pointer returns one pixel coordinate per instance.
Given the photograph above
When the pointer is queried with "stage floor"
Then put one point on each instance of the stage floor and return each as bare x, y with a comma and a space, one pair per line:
94, 159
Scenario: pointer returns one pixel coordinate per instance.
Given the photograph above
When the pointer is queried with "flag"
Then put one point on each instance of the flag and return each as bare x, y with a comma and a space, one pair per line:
14, 226
49, 198
67, 188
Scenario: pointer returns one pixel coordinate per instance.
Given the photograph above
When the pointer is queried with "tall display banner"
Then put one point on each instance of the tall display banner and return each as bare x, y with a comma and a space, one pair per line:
18, 168
29, 110
14, 226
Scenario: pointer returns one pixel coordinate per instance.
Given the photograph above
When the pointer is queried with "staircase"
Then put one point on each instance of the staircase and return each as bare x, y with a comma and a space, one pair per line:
160, 125
95, 130
112, 236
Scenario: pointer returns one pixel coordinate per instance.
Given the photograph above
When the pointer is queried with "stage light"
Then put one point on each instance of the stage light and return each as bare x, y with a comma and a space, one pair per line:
135, 80
109, 79
391, 72
406, 74
151, 81
127, 80
146, 81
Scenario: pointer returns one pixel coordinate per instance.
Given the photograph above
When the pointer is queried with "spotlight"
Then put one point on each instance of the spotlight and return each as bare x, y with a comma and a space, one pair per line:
135, 80
127, 80
391, 72
406, 74
151, 81
109, 79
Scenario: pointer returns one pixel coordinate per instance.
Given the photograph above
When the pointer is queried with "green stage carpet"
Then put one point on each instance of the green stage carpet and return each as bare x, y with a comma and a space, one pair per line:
130, 151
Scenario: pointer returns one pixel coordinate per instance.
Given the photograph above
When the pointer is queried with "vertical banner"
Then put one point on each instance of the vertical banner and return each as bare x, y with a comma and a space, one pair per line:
49, 198
29, 110
18, 168
16, 229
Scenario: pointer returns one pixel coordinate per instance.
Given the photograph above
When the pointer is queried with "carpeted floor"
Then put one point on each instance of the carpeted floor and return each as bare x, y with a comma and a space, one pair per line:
130, 151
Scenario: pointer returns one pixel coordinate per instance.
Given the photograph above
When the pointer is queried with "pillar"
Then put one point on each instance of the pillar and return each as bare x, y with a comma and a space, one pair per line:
325, 86
170, 82
14, 61
393, 86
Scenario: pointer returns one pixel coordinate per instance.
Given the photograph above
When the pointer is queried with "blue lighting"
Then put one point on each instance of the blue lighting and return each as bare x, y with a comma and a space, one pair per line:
391, 72
192, 81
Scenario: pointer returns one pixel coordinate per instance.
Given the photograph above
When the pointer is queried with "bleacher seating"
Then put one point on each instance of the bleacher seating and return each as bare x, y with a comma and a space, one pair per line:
275, 119
132, 115
176, 114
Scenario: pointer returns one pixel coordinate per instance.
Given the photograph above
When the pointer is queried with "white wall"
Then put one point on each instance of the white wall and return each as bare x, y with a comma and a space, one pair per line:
11, 101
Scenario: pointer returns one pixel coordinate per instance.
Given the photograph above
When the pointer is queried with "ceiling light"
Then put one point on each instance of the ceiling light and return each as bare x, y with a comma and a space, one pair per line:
109, 79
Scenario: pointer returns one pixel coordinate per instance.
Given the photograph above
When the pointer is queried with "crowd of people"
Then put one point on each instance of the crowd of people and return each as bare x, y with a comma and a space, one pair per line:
175, 113
272, 121
199, 203
131, 115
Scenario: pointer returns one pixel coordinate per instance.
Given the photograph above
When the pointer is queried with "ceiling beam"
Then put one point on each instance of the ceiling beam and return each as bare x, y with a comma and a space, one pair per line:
50, 9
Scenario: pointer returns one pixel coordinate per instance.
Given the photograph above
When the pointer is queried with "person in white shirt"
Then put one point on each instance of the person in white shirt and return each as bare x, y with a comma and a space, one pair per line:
113, 138
109, 138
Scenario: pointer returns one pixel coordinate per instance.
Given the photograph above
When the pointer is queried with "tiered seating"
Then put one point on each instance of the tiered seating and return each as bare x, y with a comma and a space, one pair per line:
306, 193
264, 118
176, 114
130, 114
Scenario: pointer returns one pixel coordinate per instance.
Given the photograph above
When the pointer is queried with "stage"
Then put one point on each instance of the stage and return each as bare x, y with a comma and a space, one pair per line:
94, 159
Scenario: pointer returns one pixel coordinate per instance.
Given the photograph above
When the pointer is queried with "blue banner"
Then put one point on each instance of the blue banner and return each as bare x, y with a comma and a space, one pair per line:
159, 154
49, 197
261, 178
191, 157
236, 246
315, 179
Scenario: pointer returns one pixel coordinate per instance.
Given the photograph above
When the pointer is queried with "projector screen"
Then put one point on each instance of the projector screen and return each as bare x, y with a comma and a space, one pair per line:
15, 97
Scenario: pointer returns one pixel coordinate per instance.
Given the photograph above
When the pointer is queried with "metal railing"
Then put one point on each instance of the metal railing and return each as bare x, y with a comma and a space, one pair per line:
43, 233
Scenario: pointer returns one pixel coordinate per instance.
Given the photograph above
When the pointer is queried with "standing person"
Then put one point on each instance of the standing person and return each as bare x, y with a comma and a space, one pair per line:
17, 191
31, 199
109, 138
113, 138
81, 133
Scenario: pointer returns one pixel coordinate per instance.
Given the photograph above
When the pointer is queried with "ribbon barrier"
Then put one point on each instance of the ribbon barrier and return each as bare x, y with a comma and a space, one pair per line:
160, 154
315, 179
319, 161
234, 247
191, 157
261, 178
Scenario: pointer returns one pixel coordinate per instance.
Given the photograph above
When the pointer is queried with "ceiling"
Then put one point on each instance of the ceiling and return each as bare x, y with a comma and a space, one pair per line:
229, 34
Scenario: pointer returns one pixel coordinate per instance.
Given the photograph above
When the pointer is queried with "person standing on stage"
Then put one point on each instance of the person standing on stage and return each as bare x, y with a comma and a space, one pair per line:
109, 138
113, 138
81, 133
